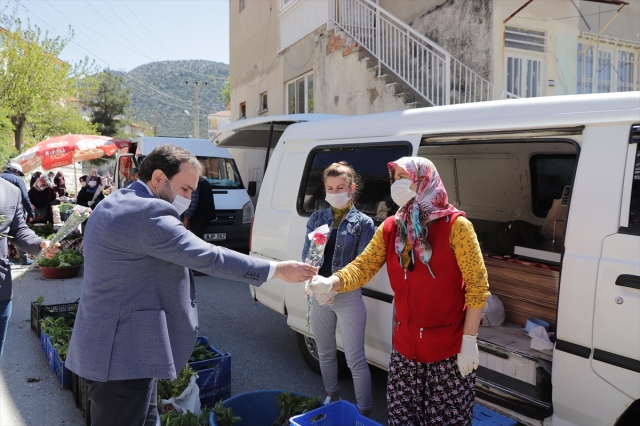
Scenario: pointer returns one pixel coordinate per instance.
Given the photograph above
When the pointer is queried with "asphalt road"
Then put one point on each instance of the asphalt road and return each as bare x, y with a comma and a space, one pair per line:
263, 349
264, 352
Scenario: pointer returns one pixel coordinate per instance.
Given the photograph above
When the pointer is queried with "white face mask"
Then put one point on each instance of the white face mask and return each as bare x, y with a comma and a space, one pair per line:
401, 194
83, 184
92, 183
338, 200
180, 203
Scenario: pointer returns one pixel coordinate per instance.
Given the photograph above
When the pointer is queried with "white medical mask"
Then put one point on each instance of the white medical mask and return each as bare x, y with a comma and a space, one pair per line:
92, 183
180, 203
83, 184
401, 194
338, 200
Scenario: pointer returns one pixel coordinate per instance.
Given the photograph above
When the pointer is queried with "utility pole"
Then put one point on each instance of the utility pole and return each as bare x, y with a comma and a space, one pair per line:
154, 114
196, 108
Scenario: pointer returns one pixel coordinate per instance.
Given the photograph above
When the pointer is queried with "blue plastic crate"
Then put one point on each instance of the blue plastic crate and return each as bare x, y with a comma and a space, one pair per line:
483, 416
257, 408
50, 354
339, 413
214, 376
43, 342
63, 373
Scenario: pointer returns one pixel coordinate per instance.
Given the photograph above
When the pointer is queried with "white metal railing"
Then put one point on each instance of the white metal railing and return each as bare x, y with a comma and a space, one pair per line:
426, 67
299, 18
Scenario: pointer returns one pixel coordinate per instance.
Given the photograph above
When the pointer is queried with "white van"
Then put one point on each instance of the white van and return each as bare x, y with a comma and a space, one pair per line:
568, 165
234, 210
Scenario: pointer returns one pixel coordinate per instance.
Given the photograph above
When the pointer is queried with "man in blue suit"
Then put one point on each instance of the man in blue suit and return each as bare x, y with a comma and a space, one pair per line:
138, 319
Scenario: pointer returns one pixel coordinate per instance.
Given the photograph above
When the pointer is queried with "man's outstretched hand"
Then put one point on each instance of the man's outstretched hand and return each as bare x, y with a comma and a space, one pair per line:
294, 272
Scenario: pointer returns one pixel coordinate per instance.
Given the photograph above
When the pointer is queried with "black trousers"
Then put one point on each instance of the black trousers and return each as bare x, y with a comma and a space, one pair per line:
124, 402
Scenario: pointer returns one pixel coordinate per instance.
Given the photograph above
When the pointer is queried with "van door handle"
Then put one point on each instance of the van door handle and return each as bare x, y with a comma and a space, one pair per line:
625, 280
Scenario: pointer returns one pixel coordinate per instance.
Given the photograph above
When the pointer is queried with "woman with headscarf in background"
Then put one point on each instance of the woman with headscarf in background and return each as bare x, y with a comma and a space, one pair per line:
59, 184
41, 196
437, 273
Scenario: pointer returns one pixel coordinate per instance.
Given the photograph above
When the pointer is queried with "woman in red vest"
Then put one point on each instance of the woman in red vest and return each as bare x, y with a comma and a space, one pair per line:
440, 286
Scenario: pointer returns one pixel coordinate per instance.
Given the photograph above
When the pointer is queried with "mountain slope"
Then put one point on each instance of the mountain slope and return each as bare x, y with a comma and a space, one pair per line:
159, 88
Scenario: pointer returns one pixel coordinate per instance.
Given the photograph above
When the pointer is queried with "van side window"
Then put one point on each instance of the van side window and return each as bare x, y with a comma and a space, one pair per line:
634, 211
550, 173
370, 162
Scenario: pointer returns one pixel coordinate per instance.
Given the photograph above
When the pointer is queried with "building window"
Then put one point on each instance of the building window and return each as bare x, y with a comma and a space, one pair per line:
243, 110
241, 5
605, 67
264, 106
524, 61
300, 95
519, 38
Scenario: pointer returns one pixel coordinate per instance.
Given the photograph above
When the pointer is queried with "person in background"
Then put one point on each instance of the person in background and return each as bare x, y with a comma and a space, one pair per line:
351, 231
14, 226
133, 176
93, 181
138, 320
41, 196
107, 181
13, 173
35, 176
440, 286
201, 211
83, 196
60, 185
49, 180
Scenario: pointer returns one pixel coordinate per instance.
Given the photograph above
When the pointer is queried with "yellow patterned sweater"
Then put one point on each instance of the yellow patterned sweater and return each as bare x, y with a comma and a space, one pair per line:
463, 242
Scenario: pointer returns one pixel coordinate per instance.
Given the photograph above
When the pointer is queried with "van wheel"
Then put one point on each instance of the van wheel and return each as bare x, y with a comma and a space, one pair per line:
309, 352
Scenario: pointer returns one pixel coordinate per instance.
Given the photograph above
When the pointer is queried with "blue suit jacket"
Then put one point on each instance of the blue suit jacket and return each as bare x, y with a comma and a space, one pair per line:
138, 316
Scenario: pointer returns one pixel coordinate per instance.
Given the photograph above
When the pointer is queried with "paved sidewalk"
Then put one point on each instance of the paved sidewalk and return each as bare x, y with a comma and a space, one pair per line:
30, 394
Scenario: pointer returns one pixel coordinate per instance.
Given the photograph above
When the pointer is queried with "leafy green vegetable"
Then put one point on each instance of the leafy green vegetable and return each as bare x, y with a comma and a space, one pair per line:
39, 301
173, 388
63, 259
201, 352
173, 418
291, 405
59, 332
224, 416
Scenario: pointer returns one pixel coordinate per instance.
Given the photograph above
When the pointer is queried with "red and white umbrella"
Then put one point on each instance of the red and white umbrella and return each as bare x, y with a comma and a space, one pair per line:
68, 149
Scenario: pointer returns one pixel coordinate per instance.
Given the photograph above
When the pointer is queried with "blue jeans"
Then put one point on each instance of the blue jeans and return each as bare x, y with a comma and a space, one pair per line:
5, 314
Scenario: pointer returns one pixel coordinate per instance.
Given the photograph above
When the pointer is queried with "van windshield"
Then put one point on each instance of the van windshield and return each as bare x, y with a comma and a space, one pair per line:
221, 173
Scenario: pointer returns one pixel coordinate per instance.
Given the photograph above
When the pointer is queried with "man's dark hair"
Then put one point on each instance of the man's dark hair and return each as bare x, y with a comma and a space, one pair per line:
167, 158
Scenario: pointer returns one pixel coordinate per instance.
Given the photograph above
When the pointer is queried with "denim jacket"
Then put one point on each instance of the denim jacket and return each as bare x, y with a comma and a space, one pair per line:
354, 233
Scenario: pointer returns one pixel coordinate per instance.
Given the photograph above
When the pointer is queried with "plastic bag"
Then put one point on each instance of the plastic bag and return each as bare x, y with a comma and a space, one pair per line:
189, 400
493, 312
540, 340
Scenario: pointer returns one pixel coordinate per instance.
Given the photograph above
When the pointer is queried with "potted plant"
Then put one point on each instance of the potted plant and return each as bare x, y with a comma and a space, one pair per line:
65, 264
65, 211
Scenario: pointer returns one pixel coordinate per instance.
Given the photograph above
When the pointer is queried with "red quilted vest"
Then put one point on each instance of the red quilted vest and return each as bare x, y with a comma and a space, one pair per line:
429, 312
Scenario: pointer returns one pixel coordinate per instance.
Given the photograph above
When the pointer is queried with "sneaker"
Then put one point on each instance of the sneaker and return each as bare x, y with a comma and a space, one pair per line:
328, 400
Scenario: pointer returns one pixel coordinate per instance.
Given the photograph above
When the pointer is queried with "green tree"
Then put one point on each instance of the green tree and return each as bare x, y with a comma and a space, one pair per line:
109, 103
33, 78
7, 150
225, 92
58, 120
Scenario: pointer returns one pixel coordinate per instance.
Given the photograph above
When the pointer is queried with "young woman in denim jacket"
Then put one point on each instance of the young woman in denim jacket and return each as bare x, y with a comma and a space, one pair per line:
351, 231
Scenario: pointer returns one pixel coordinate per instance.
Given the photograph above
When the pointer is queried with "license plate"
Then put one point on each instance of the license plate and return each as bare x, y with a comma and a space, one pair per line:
215, 237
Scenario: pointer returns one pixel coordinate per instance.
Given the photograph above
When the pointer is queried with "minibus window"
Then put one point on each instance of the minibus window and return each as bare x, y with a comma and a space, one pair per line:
550, 173
634, 211
370, 162
221, 173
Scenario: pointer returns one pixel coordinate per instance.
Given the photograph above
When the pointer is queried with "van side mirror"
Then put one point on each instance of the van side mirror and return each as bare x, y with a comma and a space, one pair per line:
252, 188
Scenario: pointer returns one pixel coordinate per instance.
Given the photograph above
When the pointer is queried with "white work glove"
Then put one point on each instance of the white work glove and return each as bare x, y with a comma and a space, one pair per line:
468, 357
319, 285
327, 298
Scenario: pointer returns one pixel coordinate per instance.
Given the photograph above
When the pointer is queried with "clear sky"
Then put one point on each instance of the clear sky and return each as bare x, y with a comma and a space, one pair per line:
122, 34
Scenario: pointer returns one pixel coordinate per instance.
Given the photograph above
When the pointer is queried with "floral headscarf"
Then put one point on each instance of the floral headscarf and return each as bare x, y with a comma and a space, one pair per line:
430, 203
